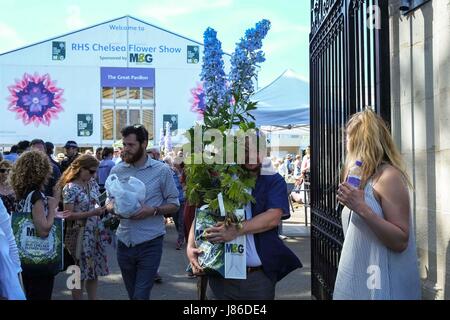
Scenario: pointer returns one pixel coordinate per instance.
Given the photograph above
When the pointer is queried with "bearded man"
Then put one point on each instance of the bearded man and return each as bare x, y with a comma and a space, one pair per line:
140, 238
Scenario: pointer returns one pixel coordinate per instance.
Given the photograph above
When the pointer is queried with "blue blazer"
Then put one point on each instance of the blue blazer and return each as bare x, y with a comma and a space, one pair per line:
277, 259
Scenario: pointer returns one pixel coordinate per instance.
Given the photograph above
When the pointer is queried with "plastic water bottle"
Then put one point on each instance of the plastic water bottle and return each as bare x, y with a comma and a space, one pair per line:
354, 174
354, 179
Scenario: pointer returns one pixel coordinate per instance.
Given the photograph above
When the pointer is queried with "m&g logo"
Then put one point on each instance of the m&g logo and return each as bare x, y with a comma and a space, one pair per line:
234, 248
141, 57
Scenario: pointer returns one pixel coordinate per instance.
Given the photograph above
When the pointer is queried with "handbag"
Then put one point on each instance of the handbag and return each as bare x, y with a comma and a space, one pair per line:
37, 255
73, 240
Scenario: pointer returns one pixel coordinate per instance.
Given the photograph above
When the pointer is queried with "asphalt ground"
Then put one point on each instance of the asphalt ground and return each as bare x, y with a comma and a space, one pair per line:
176, 285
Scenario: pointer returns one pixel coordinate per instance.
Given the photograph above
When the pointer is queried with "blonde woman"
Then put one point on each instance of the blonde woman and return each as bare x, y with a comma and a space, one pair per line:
378, 259
30, 174
80, 194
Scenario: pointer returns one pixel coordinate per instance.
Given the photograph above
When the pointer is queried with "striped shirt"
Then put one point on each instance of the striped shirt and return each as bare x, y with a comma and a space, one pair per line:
160, 190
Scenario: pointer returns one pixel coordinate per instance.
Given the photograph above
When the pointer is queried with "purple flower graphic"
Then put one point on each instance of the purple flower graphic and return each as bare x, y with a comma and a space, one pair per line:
35, 99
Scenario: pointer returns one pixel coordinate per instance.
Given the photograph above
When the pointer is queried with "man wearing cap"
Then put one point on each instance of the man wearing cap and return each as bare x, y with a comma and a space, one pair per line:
71, 154
39, 145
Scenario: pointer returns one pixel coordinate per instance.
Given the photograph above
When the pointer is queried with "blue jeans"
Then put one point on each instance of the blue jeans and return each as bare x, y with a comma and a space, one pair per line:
139, 265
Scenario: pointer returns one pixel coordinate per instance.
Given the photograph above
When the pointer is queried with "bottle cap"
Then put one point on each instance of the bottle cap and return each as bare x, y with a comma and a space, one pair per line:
358, 163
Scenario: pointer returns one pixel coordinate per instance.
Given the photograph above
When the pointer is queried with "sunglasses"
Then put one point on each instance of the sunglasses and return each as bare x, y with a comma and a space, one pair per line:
91, 171
4, 170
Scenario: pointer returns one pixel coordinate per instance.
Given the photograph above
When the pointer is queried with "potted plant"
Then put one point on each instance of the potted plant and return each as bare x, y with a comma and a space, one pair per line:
213, 169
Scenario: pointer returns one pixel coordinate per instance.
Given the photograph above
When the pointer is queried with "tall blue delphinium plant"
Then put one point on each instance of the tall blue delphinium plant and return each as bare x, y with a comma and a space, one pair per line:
213, 74
228, 105
245, 59
246, 56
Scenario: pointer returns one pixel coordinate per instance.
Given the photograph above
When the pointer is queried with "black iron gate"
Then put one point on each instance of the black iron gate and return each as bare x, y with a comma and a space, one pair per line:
349, 69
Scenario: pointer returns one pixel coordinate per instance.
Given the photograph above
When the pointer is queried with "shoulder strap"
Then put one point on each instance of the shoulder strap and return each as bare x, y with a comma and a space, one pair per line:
27, 206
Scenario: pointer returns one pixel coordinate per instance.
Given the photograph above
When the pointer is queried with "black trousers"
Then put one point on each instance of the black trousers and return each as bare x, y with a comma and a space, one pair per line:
38, 287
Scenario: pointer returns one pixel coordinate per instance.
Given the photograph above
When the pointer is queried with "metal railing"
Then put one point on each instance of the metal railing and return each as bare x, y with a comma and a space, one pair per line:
349, 69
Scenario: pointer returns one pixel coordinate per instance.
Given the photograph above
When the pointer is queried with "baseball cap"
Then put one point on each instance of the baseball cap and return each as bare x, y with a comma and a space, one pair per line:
70, 144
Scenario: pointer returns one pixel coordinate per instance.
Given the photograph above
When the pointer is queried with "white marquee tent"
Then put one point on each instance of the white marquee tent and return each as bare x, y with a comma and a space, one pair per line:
283, 110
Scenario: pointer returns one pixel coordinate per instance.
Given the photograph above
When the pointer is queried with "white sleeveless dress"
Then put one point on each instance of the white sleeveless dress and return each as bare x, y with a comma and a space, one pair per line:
368, 270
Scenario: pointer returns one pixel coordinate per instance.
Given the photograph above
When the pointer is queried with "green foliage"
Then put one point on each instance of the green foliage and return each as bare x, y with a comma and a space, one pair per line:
205, 181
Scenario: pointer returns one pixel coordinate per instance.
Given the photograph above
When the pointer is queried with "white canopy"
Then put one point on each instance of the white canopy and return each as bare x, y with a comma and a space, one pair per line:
284, 102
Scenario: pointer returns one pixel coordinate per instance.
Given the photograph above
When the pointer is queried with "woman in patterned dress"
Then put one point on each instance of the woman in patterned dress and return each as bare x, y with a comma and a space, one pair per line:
80, 194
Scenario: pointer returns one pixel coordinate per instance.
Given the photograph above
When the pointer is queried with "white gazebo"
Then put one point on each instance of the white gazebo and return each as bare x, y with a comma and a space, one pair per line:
283, 112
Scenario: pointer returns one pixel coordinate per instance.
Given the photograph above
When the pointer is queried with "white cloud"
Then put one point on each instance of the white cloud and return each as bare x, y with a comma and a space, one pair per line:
9, 38
171, 9
74, 20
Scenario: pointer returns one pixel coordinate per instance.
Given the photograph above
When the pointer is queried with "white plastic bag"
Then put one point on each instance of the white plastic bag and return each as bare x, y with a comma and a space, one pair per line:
127, 195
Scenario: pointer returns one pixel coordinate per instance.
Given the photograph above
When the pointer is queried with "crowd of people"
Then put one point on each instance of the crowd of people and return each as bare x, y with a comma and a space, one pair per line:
71, 187
379, 234
295, 170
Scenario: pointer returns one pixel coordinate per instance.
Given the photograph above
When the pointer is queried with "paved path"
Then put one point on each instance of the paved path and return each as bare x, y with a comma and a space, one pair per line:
177, 286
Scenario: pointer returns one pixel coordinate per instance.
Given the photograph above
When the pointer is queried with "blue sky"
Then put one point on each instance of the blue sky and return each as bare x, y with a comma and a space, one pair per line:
286, 46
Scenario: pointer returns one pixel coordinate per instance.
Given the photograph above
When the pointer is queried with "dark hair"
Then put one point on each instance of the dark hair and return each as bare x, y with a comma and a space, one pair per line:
107, 151
37, 141
98, 149
49, 147
23, 145
137, 129
14, 149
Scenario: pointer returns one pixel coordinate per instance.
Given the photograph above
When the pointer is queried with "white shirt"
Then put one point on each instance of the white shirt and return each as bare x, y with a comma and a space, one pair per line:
253, 259
282, 169
5, 226
9, 260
